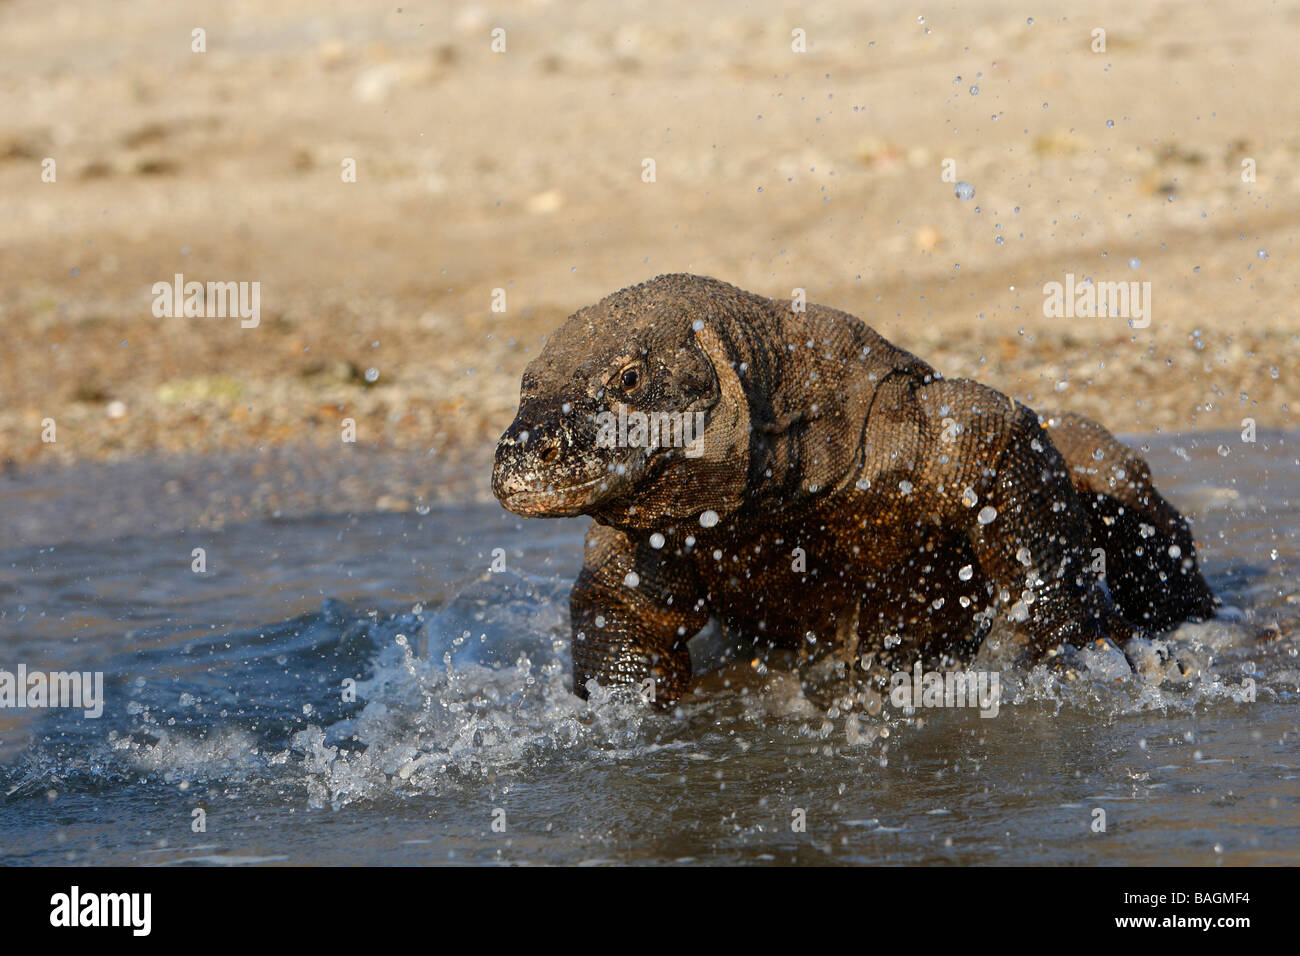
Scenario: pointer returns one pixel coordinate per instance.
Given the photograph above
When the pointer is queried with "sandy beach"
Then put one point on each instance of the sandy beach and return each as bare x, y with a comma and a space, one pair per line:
517, 180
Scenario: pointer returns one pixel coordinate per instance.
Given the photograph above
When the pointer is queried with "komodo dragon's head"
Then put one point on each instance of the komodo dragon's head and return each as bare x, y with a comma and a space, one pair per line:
634, 411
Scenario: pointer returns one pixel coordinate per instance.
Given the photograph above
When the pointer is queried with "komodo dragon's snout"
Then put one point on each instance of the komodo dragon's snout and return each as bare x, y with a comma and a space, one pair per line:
548, 464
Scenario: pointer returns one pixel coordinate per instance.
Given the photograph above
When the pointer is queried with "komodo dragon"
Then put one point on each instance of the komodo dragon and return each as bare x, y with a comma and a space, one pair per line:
841, 498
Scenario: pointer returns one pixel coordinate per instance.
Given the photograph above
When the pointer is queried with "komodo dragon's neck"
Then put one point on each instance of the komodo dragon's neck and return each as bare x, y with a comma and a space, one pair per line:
811, 402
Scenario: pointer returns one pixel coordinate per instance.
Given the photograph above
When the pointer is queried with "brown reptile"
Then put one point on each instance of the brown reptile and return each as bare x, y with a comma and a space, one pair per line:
841, 499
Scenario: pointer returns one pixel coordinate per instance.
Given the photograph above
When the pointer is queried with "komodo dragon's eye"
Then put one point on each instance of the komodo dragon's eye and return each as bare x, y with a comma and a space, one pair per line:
630, 377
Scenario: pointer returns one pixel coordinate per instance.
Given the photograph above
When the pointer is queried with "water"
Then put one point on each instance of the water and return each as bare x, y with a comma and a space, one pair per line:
225, 693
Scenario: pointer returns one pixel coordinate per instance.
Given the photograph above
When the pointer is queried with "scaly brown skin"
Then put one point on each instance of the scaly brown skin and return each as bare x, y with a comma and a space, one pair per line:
846, 501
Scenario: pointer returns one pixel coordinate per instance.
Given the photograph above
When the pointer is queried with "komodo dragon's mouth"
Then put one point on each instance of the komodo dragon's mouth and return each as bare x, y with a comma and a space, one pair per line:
561, 501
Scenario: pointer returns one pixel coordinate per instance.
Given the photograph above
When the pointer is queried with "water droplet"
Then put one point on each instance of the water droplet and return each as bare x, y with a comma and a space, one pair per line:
1110, 124
905, 487
1134, 262
987, 514
969, 498
974, 91
632, 579
708, 519
656, 541
372, 374
1030, 21
1262, 254
964, 191
966, 572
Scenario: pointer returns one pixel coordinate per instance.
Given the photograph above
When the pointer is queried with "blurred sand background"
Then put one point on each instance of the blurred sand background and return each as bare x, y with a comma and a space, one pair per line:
522, 171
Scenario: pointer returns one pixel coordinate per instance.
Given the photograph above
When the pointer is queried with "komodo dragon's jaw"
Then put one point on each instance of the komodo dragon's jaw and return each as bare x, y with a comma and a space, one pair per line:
550, 501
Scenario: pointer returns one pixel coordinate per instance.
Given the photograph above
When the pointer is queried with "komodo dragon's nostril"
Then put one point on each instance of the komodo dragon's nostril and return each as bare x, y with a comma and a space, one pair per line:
549, 453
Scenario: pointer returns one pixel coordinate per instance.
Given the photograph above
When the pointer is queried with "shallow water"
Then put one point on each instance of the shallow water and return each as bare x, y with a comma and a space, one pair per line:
224, 694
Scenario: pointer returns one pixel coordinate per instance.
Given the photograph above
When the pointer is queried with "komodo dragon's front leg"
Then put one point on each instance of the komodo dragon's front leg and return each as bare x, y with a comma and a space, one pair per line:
994, 473
633, 608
